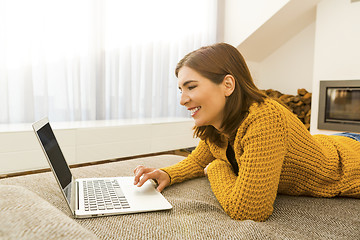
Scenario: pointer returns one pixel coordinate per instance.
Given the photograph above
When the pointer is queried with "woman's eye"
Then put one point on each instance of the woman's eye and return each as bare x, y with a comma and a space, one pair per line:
191, 87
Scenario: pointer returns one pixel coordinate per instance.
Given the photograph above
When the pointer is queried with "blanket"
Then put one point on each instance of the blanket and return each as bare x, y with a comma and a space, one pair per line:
32, 207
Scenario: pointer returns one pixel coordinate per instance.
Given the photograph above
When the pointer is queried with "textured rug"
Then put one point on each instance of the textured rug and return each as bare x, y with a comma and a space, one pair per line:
32, 207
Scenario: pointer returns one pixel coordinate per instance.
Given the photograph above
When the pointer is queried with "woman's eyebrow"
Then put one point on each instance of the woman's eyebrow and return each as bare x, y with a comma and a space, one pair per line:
187, 82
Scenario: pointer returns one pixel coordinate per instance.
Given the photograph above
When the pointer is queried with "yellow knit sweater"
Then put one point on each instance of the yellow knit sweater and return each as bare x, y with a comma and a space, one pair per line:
275, 153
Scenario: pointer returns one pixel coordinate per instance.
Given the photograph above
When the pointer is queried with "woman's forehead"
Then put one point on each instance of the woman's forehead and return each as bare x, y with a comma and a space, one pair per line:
187, 72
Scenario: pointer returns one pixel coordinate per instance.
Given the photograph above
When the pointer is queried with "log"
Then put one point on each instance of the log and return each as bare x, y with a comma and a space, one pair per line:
300, 104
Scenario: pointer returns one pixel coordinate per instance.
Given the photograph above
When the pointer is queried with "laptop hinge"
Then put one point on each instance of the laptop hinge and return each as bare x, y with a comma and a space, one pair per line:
77, 196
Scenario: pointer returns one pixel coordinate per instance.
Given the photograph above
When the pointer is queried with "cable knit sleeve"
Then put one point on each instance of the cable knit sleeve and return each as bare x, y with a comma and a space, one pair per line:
260, 148
192, 166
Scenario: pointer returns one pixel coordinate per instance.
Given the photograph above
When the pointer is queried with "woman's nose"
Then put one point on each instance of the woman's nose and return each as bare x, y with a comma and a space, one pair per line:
184, 99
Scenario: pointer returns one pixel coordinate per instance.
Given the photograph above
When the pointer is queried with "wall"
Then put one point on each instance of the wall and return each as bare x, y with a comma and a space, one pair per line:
242, 18
290, 67
91, 141
337, 47
327, 49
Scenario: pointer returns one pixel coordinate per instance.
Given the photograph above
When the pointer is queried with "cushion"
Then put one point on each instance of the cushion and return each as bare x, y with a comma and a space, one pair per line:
25, 215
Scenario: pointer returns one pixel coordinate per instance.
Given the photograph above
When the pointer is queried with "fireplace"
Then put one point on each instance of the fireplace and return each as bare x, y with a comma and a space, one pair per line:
339, 105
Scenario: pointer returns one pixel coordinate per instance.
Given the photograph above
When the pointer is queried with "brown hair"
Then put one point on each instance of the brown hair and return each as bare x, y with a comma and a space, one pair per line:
215, 62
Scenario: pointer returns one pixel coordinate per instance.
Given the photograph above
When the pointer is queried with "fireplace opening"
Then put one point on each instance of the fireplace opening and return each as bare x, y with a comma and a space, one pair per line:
339, 105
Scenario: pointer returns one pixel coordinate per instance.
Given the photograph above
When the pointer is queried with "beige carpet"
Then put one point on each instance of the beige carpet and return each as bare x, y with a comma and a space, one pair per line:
196, 214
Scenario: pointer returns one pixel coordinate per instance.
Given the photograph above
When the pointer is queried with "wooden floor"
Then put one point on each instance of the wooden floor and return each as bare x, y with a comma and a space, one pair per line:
181, 152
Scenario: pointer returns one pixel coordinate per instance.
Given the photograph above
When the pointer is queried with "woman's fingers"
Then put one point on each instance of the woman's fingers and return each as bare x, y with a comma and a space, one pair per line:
142, 174
161, 186
148, 174
139, 171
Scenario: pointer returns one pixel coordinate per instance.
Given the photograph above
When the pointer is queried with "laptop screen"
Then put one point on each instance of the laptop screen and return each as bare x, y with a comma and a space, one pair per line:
55, 156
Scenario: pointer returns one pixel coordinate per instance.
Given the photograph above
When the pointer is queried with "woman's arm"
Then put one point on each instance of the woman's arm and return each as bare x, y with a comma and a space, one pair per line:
251, 194
192, 166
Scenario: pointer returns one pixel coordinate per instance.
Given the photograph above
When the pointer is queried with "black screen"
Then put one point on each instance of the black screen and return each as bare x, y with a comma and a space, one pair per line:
55, 155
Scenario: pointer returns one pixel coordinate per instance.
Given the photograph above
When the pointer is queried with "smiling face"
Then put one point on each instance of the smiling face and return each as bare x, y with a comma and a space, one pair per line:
204, 99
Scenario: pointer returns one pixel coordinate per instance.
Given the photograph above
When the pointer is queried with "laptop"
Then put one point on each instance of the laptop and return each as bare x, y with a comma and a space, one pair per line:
94, 197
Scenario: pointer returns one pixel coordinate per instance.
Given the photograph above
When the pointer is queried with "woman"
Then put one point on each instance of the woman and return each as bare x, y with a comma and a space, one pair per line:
251, 146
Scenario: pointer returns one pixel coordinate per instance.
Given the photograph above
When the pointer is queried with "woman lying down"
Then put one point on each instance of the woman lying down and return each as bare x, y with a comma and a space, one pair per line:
251, 146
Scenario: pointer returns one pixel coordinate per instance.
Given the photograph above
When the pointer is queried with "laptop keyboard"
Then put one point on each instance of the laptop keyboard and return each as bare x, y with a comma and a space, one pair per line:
103, 195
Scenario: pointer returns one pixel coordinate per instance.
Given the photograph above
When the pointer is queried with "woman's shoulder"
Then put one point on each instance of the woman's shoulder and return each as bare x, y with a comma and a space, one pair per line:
267, 119
265, 114
267, 107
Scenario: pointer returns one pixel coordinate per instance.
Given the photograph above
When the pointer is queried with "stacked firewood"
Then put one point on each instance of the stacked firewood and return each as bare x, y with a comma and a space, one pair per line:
299, 104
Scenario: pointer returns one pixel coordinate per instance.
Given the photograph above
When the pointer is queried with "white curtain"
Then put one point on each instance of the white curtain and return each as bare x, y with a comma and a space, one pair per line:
75, 60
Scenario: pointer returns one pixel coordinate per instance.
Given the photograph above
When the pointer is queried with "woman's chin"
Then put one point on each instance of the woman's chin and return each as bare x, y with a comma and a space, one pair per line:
200, 124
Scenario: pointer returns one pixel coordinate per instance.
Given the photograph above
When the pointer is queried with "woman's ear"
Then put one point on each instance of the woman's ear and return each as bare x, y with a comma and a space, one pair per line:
229, 85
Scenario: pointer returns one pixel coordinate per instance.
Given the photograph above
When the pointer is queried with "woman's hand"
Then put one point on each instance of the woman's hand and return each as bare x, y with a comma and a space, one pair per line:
142, 174
205, 169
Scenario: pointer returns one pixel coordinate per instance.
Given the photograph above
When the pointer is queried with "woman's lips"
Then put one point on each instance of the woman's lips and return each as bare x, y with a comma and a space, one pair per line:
193, 111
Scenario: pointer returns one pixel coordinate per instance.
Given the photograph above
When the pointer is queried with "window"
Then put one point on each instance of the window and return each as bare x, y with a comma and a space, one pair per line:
75, 60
